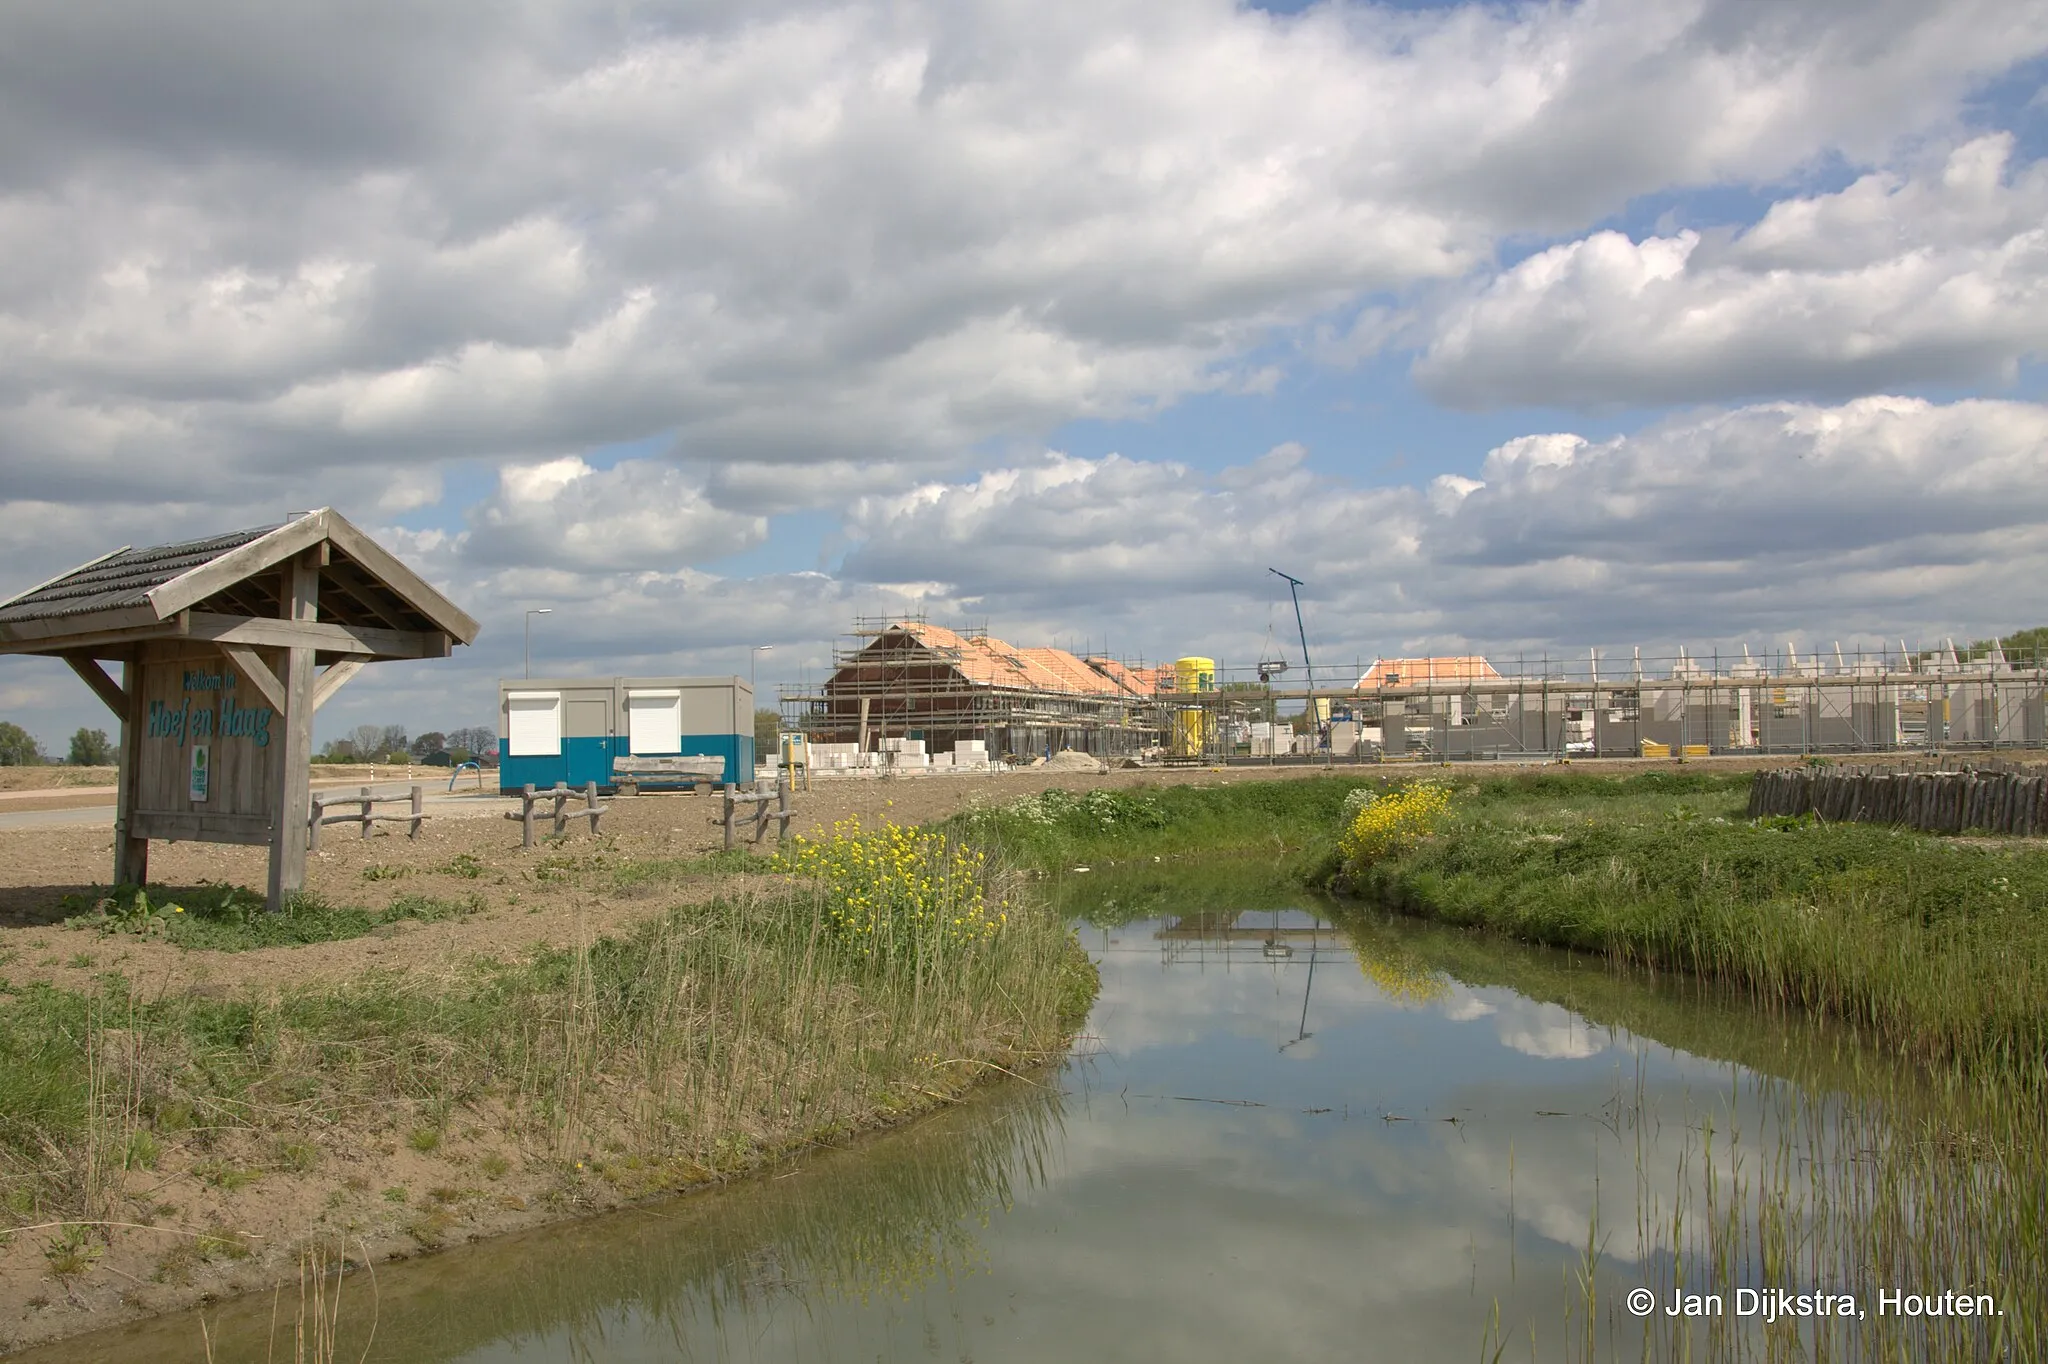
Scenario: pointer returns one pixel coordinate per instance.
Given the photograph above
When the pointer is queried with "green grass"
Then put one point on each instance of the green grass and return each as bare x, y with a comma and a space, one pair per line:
224, 918
1118, 893
1284, 822
1935, 950
701, 1041
1937, 946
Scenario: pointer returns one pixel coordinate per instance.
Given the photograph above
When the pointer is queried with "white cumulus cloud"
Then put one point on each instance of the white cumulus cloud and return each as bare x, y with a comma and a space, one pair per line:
1941, 277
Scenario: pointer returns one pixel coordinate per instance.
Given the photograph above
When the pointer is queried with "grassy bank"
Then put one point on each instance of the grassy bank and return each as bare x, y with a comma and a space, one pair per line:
1931, 944
1287, 827
881, 975
1933, 949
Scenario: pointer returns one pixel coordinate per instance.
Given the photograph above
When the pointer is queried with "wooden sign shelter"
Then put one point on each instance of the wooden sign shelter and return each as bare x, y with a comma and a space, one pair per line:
227, 646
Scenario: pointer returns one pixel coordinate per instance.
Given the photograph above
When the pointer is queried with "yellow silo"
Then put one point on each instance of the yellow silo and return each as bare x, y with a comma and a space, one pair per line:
1190, 723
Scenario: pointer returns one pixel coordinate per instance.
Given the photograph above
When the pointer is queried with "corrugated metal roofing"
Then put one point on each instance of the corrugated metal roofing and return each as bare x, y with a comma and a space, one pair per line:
123, 579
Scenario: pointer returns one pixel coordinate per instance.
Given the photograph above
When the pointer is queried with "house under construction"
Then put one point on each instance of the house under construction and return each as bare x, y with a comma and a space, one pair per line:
1462, 707
908, 679
1787, 703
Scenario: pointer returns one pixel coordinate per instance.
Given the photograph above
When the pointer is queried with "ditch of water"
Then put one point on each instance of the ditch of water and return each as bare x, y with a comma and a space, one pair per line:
1286, 1134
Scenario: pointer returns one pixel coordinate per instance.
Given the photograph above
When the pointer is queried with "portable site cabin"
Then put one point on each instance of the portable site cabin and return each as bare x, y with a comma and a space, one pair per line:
571, 729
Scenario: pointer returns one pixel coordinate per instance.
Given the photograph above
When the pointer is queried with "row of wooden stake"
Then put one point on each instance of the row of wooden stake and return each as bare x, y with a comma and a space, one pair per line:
2004, 802
366, 812
551, 804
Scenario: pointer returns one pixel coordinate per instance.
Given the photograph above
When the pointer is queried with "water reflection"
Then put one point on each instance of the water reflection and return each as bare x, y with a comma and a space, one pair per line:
1280, 1139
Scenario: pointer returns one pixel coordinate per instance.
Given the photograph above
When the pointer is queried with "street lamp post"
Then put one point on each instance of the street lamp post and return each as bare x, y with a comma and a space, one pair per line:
536, 611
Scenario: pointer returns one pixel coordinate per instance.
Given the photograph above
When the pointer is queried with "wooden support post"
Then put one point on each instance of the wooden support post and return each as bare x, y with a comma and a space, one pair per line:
102, 686
730, 806
292, 736
131, 854
527, 817
419, 811
366, 811
590, 805
561, 800
319, 804
331, 677
782, 811
257, 672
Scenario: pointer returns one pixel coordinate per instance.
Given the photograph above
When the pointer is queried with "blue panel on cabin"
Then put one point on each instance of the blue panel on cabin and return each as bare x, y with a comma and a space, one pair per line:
736, 749
543, 770
584, 760
587, 760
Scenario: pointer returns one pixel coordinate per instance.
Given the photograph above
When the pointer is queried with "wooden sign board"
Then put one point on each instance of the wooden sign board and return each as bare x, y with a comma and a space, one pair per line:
207, 762
222, 642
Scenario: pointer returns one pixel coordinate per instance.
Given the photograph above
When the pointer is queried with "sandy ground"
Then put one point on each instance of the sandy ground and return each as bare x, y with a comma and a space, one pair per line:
370, 1186
50, 777
46, 875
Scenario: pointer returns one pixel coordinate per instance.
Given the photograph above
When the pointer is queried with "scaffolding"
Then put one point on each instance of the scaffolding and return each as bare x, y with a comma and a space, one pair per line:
905, 680
901, 681
1685, 706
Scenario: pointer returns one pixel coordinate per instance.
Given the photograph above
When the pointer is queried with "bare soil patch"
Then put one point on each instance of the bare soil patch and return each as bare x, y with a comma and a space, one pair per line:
53, 778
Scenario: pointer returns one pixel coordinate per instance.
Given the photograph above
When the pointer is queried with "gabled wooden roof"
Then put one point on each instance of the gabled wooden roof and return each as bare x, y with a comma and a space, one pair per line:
234, 577
985, 661
1408, 672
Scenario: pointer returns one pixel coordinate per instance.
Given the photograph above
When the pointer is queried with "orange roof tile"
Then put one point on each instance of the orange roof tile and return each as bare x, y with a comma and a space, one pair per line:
1409, 672
986, 661
1137, 681
1073, 675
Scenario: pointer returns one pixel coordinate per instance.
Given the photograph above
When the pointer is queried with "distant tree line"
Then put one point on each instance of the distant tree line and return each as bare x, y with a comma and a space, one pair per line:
2020, 647
365, 743
89, 748
389, 744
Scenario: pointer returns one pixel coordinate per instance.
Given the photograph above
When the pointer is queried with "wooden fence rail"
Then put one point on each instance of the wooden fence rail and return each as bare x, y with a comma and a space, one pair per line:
561, 794
2013, 800
365, 815
759, 799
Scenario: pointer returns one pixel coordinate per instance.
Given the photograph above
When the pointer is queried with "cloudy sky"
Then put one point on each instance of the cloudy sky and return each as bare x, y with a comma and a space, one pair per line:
712, 325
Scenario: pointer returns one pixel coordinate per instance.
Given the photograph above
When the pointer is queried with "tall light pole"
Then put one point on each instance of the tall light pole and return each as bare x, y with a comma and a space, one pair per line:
1308, 669
753, 657
536, 611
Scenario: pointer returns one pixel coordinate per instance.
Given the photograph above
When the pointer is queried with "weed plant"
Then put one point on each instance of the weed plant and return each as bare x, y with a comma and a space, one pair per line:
1380, 825
896, 892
